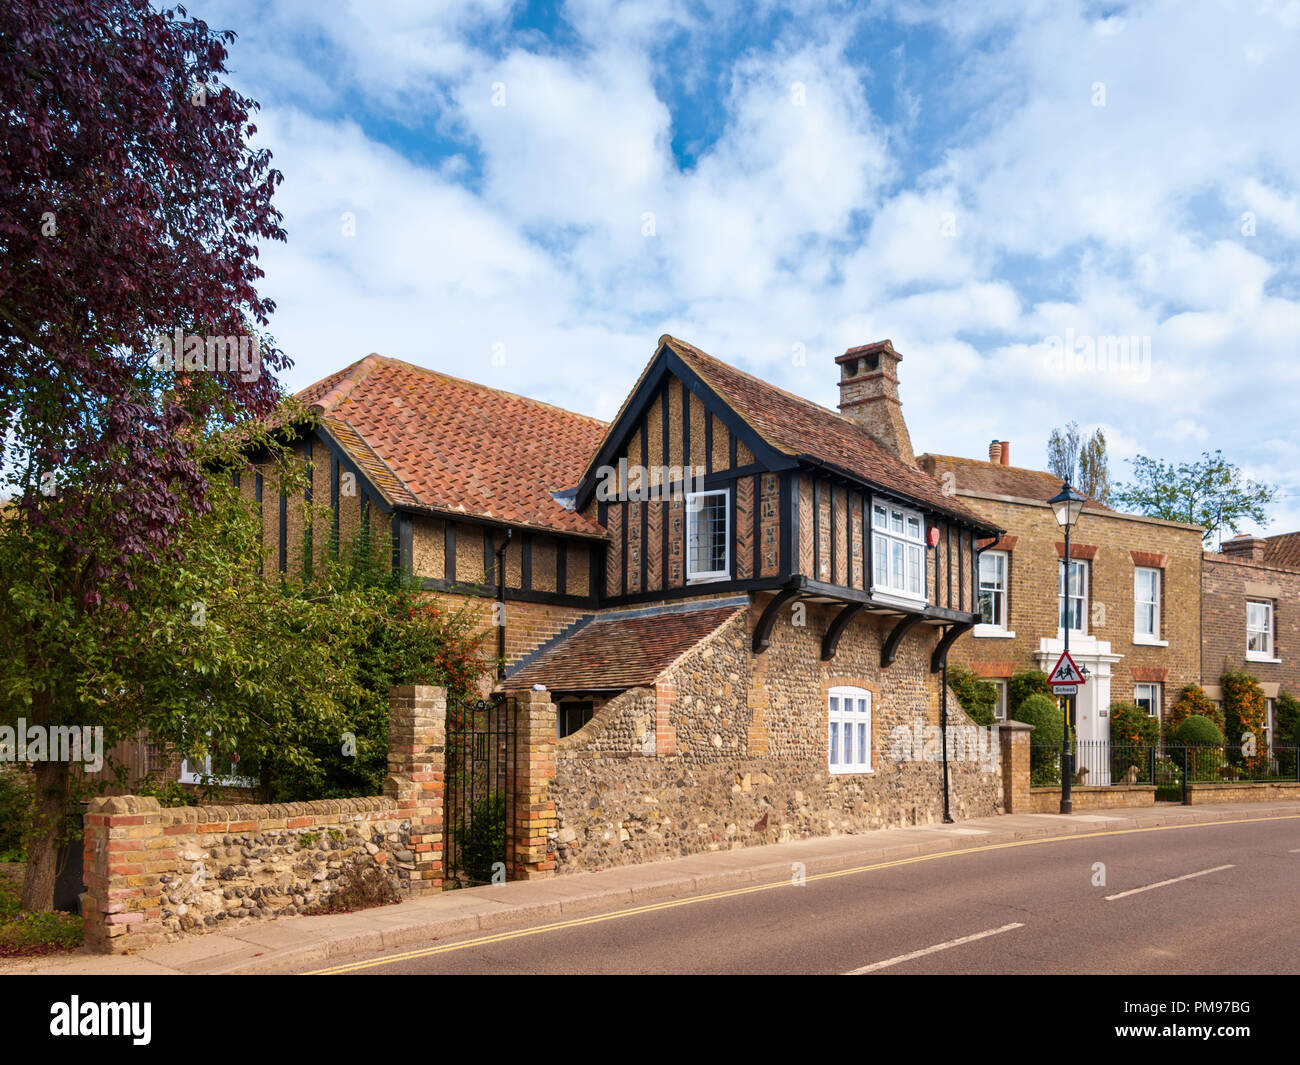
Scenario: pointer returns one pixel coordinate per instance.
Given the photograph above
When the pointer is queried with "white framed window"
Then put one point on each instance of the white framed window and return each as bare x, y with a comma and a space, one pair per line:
1000, 708
897, 551
1146, 603
1074, 605
994, 568
849, 730
1259, 630
1147, 696
202, 772
708, 540
1268, 725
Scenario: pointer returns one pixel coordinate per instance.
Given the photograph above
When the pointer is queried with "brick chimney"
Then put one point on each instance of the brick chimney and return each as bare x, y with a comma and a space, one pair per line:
869, 395
1243, 546
1006, 452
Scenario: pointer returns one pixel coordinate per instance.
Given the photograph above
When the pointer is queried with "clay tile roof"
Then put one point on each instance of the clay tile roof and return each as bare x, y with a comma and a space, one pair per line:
429, 440
798, 427
615, 652
1283, 550
975, 475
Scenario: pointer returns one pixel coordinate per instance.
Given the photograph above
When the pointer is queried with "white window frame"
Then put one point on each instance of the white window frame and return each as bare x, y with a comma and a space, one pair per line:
848, 708
1000, 709
1265, 655
1062, 614
897, 531
695, 507
996, 629
1141, 605
1268, 725
1156, 698
233, 780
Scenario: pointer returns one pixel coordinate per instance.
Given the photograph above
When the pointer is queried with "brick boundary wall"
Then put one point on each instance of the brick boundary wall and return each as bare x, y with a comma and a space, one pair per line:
1239, 791
1098, 797
154, 874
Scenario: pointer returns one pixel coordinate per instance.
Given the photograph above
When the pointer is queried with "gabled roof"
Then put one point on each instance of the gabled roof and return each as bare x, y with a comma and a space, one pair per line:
803, 431
616, 652
1282, 550
992, 478
431, 441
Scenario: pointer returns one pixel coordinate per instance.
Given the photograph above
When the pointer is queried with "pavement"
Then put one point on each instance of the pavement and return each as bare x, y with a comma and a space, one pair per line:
291, 943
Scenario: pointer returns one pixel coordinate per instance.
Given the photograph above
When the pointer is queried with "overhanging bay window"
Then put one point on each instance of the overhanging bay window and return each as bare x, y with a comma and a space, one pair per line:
898, 551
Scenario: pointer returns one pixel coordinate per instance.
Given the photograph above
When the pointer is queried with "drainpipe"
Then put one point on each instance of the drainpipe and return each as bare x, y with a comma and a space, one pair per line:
501, 599
943, 738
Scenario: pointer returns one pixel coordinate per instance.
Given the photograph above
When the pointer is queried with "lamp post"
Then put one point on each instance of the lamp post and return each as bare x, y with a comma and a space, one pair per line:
1067, 505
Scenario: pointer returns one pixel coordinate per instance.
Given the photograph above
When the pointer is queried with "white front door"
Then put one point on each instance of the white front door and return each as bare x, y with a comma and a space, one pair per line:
1092, 704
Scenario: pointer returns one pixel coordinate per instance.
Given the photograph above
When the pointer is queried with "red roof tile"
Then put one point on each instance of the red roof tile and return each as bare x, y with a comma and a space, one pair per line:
429, 440
1283, 550
992, 478
796, 426
614, 653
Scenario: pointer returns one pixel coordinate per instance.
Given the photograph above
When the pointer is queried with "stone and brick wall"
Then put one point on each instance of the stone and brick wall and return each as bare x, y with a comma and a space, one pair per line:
730, 749
153, 874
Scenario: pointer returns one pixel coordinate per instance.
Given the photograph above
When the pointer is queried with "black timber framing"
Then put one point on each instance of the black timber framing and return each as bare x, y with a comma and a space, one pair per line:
763, 630
831, 641
904, 625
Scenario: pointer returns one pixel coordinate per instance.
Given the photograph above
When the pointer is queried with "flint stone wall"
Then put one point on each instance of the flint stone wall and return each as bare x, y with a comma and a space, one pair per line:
749, 759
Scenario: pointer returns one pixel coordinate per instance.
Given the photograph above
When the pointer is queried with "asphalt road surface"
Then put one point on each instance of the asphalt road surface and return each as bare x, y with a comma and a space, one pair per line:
1211, 898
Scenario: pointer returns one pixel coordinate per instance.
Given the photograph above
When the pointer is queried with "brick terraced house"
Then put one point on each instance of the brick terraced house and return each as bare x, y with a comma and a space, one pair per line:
1250, 592
1134, 599
739, 601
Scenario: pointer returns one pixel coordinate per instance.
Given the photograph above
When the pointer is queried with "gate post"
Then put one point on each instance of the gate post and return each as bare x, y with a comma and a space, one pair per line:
1014, 751
534, 809
417, 736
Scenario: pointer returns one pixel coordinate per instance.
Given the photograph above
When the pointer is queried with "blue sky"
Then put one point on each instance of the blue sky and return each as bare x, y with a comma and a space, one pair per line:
1056, 211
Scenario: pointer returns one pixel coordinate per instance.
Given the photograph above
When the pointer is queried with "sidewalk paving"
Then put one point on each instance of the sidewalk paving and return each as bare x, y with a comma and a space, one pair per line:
291, 943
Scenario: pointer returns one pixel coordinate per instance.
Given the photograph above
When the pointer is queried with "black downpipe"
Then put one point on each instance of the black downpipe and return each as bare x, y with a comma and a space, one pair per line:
943, 738
501, 600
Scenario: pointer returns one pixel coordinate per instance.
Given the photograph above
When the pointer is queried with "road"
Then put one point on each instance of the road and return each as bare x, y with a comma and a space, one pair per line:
1209, 898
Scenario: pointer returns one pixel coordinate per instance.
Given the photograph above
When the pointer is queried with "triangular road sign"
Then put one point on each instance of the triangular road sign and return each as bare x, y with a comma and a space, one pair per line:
1065, 672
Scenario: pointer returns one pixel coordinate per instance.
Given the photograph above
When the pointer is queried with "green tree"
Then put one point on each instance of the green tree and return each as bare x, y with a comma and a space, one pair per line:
1024, 684
1081, 462
1210, 492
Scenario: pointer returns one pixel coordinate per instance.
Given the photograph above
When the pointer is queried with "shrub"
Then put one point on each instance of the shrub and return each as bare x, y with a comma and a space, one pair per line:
1024, 684
1045, 743
1286, 732
360, 888
1193, 700
17, 798
1243, 712
1133, 732
481, 838
977, 696
1198, 731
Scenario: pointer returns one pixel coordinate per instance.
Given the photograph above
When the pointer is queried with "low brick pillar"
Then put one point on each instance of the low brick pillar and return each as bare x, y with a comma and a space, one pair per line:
417, 740
124, 853
533, 716
1013, 742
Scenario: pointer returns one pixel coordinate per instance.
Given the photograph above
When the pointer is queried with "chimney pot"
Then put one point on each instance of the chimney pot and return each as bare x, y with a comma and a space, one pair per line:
869, 395
995, 451
1006, 452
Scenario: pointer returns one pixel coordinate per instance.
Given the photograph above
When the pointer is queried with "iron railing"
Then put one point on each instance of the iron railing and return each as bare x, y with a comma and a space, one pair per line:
1167, 766
479, 814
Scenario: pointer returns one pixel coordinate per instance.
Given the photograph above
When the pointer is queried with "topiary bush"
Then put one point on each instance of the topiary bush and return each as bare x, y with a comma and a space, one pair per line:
1198, 731
1205, 755
1024, 684
1045, 743
1193, 700
977, 696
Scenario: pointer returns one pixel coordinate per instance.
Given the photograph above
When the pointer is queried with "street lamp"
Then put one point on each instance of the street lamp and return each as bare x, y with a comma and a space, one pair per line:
1067, 506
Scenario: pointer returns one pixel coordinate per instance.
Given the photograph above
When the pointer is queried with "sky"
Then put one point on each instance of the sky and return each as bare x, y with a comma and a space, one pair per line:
1056, 211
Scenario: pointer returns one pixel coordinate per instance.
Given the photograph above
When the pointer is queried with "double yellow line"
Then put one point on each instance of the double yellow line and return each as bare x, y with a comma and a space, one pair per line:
654, 907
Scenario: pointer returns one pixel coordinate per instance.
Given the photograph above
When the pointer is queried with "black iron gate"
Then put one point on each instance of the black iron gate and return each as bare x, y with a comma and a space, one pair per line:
479, 792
